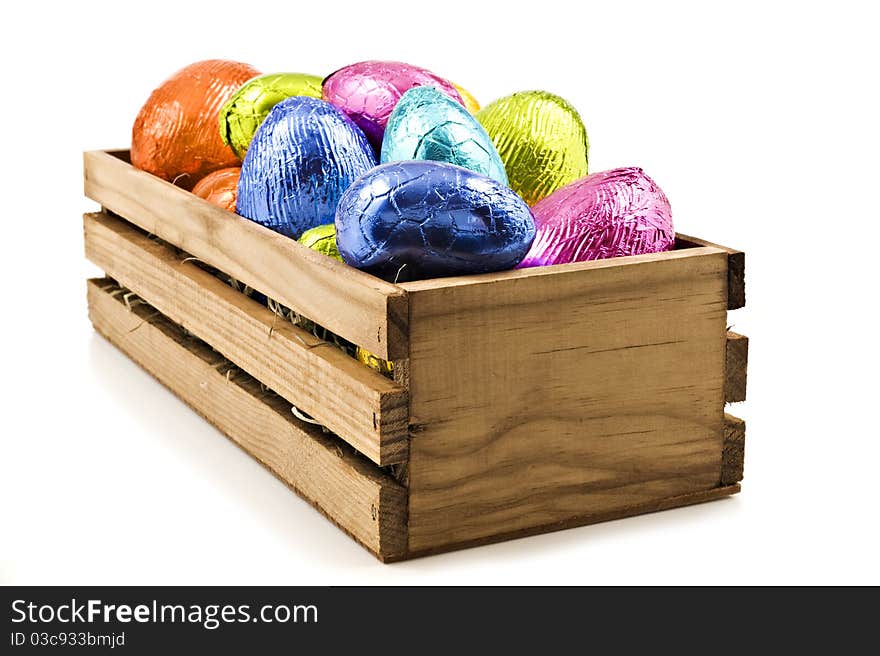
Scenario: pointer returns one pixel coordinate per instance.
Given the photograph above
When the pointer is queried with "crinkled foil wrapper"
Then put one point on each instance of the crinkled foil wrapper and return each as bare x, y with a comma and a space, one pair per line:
302, 158
429, 125
384, 367
368, 92
419, 219
470, 103
609, 214
175, 133
322, 238
220, 188
249, 106
541, 139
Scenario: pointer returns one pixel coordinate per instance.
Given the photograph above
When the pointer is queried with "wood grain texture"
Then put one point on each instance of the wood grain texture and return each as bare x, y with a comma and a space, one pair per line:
547, 395
736, 268
736, 367
363, 501
549, 272
359, 307
680, 501
733, 456
363, 407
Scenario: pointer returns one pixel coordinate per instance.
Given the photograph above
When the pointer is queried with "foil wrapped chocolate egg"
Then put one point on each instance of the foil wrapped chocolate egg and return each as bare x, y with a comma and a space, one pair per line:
322, 238
427, 124
608, 214
421, 219
303, 156
175, 133
384, 367
220, 187
467, 98
541, 139
251, 103
368, 91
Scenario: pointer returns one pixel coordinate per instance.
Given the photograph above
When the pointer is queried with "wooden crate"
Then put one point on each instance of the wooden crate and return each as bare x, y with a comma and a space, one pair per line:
523, 401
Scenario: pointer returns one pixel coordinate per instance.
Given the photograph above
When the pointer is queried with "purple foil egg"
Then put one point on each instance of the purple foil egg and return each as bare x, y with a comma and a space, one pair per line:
368, 92
608, 214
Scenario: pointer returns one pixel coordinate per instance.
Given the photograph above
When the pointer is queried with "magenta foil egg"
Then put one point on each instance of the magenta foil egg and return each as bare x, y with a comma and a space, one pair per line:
368, 92
608, 214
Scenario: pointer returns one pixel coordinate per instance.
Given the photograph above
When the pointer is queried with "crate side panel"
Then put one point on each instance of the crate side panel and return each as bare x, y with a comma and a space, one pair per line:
360, 405
367, 504
736, 268
361, 308
538, 399
657, 505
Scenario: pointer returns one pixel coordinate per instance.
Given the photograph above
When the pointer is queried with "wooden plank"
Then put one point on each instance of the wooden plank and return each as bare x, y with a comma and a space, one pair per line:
736, 268
359, 307
552, 271
363, 407
367, 504
736, 367
733, 457
542, 397
593, 518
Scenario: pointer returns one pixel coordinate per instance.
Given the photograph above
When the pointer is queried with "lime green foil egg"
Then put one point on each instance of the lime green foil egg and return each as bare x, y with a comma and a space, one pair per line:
321, 238
250, 105
541, 140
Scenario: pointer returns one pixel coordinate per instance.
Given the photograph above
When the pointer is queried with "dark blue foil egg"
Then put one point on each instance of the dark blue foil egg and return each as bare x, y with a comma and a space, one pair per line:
423, 219
302, 158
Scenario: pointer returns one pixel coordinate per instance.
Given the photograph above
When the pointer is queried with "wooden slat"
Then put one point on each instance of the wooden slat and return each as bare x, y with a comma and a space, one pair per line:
736, 367
736, 268
591, 518
359, 307
734, 452
549, 272
544, 396
348, 489
360, 405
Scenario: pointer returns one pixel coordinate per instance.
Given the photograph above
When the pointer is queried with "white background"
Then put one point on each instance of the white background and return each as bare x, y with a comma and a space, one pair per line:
759, 120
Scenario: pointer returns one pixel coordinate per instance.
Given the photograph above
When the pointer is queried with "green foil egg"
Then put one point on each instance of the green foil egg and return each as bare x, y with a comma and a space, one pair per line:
541, 140
248, 107
321, 238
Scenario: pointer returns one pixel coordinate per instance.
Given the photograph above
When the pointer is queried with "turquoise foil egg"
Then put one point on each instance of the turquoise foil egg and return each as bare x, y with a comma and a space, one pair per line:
427, 124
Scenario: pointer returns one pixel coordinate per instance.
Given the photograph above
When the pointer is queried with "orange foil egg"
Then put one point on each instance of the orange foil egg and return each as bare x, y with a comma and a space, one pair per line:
175, 135
220, 187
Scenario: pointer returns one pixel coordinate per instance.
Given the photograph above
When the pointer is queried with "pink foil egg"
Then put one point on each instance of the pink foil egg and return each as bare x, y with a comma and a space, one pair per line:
608, 214
368, 92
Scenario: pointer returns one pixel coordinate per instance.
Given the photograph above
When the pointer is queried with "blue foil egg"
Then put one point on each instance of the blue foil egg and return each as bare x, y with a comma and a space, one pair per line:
420, 219
302, 158
427, 124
